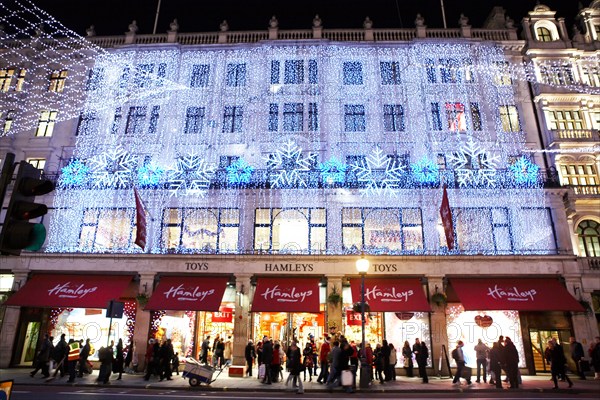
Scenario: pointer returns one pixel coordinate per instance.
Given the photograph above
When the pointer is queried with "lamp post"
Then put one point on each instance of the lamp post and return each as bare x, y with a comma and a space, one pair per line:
362, 266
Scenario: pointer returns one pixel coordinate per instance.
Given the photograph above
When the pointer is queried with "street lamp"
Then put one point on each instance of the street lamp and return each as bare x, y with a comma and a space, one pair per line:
362, 266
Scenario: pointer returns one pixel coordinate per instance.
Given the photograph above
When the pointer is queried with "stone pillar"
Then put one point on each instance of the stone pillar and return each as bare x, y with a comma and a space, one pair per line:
439, 333
241, 325
585, 327
142, 319
10, 323
333, 311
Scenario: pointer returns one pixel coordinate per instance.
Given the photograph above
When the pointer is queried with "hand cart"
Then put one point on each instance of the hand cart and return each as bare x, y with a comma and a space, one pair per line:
199, 373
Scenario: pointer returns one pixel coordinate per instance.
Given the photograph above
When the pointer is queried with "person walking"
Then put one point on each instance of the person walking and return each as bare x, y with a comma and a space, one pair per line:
119, 360
393, 361
407, 355
459, 358
83, 358
61, 352
378, 361
422, 356
166, 354
323, 360
294, 362
511, 360
153, 357
496, 365
204, 349
106, 358
228, 350
219, 353
385, 358
334, 371
481, 354
175, 363
267, 359
250, 356
43, 358
557, 363
577, 354
308, 361
73, 358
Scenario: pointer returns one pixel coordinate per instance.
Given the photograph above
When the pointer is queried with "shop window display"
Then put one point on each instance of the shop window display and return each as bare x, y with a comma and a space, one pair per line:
284, 326
409, 326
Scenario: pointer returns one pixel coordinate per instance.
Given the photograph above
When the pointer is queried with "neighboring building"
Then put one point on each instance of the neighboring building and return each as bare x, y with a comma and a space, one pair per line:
269, 162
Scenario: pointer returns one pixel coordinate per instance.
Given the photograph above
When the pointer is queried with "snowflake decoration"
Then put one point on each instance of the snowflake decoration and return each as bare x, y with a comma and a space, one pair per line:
425, 171
524, 171
333, 171
380, 173
474, 166
76, 173
286, 164
150, 174
113, 169
239, 172
191, 176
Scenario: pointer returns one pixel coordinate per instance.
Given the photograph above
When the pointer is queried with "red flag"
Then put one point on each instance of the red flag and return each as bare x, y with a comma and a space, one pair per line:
140, 219
446, 214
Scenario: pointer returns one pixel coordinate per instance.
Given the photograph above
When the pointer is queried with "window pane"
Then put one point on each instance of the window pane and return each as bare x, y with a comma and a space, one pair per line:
317, 216
352, 236
351, 216
261, 238
263, 216
318, 239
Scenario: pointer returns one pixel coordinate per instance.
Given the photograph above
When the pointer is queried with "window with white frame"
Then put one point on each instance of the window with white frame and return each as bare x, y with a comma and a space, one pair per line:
293, 117
206, 229
591, 75
294, 72
144, 74
543, 34
290, 230
449, 70
232, 119
116, 121
6, 121
135, 120
436, 119
46, 123
236, 75
482, 229
430, 70
509, 117
390, 72
57, 81
557, 75
476, 116
565, 120
200, 75
393, 118
194, 118
37, 162
578, 174
153, 123
353, 73
104, 229
8, 75
502, 76
588, 235
392, 229
354, 118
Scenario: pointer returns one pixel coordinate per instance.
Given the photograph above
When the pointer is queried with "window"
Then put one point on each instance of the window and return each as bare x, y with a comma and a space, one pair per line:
533, 231
313, 72
143, 75
273, 117
557, 75
588, 233
294, 72
226, 161
232, 119
393, 118
502, 76
275, 66
88, 123
578, 175
392, 229
543, 34
6, 121
116, 121
449, 70
296, 230
430, 70
353, 73
135, 120
482, 230
236, 75
469, 73
107, 229
510, 119
455, 116
313, 117
95, 77
200, 74
213, 230
46, 123
194, 118
390, 72
292, 117
351, 177
154, 115
57, 81
591, 75
565, 120
124, 79
476, 116
436, 119
354, 118
441, 161
6, 78
38, 163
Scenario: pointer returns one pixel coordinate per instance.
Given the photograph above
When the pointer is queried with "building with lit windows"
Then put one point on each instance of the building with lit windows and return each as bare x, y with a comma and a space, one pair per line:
269, 162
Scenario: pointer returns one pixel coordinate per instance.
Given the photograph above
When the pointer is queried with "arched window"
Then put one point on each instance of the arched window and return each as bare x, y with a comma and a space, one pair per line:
588, 232
543, 34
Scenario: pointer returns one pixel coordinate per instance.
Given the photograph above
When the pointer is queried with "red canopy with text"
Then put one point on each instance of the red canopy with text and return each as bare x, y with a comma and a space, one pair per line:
526, 294
78, 291
286, 295
385, 294
188, 293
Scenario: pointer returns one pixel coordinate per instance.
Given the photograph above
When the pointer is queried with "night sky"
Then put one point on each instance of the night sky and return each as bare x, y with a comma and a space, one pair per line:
112, 17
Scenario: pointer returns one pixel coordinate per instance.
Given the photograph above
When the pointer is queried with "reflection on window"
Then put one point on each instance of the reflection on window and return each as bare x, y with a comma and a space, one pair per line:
393, 117
232, 119
107, 229
6, 121
390, 72
293, 117
588, 233
510, 119
502, 76
95, 77
193, 119
135, 120
206, 229
294, 72
537, 237
88, 123
290, 230
46, 123
482, 230
455, 116
392, 229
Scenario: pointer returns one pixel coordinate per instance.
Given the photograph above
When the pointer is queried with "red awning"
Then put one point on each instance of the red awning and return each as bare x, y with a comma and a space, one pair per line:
78, 291
188, 293
393, 295
286, 295
526, 294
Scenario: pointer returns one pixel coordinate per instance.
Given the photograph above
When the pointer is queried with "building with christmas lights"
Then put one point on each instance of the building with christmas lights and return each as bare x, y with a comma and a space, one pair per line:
262, 165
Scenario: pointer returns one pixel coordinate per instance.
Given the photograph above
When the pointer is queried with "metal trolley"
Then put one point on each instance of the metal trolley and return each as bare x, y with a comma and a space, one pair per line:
199, 373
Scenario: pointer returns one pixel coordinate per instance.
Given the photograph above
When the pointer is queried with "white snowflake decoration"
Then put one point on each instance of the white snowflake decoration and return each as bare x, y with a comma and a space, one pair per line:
191, 176
112, 169
380, 173
474, 166
286, 165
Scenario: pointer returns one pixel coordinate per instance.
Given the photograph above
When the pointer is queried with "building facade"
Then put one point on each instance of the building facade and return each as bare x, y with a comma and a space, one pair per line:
269, 162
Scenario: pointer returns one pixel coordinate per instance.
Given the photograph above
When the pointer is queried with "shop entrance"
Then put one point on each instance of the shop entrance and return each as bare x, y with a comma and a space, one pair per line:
32, 335
539, 342
284, 327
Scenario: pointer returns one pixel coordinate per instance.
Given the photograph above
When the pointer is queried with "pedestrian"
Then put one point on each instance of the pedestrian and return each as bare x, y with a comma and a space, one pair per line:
308, 361
43, 358
205, 348
175, 363
73, 359
83, 358
153, 357
415, 350
267, 359
129, 357
276, 362
407, 354
511, 360
119, 360
344, 365
393, 361
481, 354
315, 353
495, 365
227, 350
334, 365
323, 360
106, 358
378, 361
594, 353
166, 354
294, 362
385, 357
557, 363
422, 357
219, 353
459, 358
369, 360
577, 354
250, 356
60, 354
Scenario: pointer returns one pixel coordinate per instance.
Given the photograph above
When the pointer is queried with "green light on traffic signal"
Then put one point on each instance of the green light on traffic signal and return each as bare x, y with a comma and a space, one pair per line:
37, 237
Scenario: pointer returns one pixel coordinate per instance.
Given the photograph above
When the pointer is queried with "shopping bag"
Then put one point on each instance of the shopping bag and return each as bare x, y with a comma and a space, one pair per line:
466, 373
347, 378
261, 371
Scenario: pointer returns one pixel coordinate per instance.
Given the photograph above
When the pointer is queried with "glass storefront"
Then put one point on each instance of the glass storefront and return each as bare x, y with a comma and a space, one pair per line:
284, 326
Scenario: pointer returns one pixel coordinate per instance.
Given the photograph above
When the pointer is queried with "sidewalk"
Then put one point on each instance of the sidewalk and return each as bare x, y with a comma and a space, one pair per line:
537, 384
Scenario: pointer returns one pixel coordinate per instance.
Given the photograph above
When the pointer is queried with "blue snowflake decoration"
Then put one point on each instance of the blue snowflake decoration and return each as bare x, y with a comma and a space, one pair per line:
333, 171
239, 172
76, 173
425, 171
524, 171
150, 175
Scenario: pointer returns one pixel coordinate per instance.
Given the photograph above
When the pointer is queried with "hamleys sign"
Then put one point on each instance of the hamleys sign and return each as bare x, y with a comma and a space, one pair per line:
511, 293
286, 295
68, 291
181, 293
389, 294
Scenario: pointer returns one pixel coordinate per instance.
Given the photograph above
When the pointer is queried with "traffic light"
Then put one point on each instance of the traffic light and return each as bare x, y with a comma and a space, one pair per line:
17, 232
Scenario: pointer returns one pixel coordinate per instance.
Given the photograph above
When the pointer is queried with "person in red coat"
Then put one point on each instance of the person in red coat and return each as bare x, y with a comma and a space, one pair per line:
323, 355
